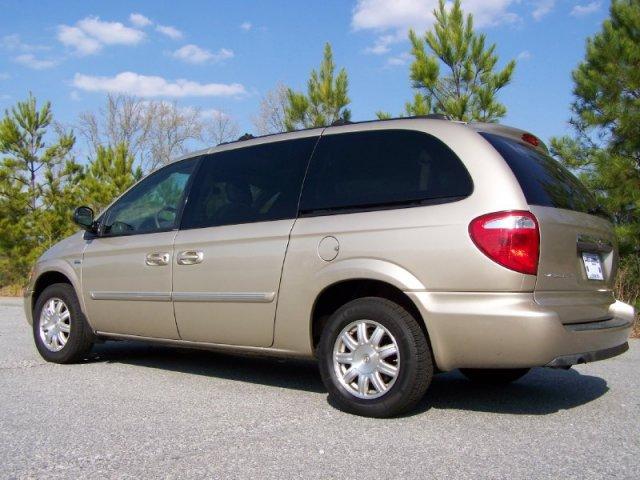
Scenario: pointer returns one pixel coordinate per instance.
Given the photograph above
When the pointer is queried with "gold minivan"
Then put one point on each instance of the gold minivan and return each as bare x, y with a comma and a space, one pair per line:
387, 250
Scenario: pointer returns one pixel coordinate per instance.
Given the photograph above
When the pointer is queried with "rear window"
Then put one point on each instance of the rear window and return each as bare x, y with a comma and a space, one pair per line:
543, 180
382, 169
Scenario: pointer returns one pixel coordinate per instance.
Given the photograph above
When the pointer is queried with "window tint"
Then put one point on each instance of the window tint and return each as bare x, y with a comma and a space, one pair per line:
251, 184
543, 180
152, 205
383, 168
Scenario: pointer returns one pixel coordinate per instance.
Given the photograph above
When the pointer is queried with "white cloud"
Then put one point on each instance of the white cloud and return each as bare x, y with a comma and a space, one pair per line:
392, 19
139, 20
582, 10
405, 14
29, 60
90, 34
4, 76
169, 31
246, 26
541, 8
154, 86
381, 45
13, 42
75, 96
398, 60
196, 55
212, 113
524, 55
110, 33
76, 38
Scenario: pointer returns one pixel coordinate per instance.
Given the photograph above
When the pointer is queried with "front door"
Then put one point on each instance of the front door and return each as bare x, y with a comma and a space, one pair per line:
229, 251
126, 269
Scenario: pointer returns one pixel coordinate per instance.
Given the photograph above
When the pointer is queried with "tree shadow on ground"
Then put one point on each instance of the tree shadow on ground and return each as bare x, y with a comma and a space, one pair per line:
542, 391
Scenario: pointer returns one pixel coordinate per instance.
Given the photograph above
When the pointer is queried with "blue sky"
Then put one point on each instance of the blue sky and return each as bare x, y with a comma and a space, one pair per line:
225, 55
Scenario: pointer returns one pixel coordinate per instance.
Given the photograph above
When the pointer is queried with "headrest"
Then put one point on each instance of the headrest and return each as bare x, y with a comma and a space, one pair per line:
239, 192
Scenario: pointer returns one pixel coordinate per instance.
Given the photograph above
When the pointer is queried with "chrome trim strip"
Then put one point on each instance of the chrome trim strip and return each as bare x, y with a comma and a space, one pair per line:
132, 296
233, 297
589, 243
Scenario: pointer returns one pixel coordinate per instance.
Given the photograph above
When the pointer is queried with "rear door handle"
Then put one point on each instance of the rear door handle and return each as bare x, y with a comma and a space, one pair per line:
190, 257
157, 259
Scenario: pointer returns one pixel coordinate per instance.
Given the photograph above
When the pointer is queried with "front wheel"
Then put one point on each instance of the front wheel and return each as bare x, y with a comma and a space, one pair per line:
60, 330
497, 376
374, 358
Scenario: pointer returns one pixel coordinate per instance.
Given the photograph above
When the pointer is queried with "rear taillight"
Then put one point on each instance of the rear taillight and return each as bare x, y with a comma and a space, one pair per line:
511, 239
531, 139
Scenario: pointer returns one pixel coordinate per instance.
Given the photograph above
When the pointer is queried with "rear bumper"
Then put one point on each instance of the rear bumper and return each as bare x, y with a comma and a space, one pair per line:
576, 358
511, 330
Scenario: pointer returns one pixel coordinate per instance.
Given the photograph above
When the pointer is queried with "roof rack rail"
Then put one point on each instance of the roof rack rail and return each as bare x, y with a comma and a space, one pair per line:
339, 122
433, 116
246, 136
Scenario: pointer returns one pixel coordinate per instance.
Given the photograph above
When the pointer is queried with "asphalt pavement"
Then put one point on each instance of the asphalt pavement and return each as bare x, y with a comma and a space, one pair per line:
135, 411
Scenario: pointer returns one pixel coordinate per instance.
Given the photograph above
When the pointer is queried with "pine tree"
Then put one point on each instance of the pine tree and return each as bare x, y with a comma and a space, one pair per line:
35, 177
326, 98
606, 117
469, 89
605, 150
109, 175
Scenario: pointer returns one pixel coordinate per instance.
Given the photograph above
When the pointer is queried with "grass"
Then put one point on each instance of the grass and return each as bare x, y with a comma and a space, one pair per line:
627, 286
11, 291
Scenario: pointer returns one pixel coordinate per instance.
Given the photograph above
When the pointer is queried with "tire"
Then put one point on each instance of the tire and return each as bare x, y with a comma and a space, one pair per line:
498, 376
79, 338
413, 363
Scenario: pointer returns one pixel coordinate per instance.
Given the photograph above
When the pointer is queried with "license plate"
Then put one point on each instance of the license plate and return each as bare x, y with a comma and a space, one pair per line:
593, 266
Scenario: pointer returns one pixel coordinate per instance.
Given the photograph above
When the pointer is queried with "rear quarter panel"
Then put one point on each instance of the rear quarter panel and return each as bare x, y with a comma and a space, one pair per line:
425, 248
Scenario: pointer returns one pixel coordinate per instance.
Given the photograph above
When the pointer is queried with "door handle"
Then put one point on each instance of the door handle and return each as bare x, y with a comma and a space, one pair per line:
157, 259
190, 257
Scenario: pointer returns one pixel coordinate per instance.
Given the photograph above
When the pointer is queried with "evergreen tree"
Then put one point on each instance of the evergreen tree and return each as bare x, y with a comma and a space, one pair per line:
606, 117
35, 178
326, 98
469, 88
605, 150
109, 175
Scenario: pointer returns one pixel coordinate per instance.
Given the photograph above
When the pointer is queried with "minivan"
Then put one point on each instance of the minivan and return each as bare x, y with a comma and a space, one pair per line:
387, 250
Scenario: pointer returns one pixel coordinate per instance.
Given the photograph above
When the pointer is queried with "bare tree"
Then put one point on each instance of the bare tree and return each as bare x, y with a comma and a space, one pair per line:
173, 131
220, 128
271, 116
155, 131
123, 119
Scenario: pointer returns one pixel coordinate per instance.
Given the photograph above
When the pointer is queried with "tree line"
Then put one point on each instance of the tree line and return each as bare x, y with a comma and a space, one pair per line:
454, 71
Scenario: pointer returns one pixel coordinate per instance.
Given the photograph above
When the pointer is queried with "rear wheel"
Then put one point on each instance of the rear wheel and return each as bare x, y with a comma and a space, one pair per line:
498, 376
60, 330
374, 358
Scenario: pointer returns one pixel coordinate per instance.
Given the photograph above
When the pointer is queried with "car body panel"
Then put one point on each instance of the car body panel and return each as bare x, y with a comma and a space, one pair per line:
230, 297
477, 313
65, 257
121, 293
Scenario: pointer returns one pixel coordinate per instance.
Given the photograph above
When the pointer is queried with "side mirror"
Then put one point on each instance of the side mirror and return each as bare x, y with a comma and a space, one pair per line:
83, 216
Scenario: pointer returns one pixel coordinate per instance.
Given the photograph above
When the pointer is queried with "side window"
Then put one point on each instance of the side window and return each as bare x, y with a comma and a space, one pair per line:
382, 169
251, 184
152, 205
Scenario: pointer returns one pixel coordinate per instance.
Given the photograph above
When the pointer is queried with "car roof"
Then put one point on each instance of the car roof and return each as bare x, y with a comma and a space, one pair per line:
247, 140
